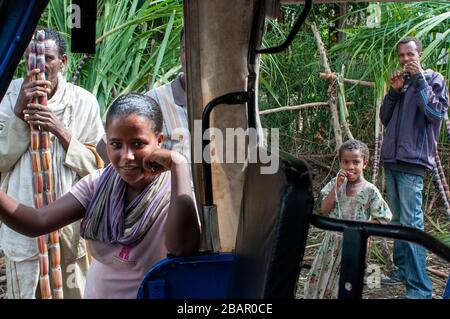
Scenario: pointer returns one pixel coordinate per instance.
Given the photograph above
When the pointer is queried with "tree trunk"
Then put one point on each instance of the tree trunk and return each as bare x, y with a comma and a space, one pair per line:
331, 87
341, 9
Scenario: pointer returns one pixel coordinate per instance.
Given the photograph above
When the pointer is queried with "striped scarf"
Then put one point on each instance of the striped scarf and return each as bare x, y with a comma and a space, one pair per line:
109, 221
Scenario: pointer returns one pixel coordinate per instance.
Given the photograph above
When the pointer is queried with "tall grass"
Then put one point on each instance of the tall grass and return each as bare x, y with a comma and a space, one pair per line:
137, 45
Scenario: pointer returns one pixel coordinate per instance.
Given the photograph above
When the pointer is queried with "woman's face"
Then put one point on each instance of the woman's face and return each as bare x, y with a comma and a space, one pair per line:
130, 139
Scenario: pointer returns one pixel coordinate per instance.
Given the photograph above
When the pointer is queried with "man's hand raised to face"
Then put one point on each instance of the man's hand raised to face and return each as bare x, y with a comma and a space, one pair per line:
412, 68
397, 81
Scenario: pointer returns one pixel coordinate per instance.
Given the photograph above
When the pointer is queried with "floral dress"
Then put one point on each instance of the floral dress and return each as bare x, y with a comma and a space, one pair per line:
365, 205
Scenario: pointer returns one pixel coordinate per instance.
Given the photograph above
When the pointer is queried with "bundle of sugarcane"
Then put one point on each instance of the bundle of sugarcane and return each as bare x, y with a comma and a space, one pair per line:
43, 178
442, 182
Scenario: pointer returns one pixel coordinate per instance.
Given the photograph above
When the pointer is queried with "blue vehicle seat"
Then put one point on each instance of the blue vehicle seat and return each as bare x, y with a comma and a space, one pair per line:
196, 277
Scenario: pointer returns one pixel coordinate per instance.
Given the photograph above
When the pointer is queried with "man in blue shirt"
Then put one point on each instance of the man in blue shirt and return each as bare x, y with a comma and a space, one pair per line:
412, 113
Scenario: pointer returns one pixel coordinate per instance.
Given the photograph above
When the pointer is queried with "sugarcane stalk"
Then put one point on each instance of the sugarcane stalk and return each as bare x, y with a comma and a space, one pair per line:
377, 150
384, 248
440, 171
447, 124
442, 182
49, 184
80, 66
43, 178
376, 156
38, 185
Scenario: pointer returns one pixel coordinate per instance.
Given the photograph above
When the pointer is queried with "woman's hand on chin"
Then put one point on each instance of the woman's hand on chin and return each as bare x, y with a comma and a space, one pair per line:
162, 160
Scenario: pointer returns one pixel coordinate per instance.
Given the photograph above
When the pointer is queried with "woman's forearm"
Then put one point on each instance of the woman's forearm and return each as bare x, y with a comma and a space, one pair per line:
34, 222
21, 218
182, 226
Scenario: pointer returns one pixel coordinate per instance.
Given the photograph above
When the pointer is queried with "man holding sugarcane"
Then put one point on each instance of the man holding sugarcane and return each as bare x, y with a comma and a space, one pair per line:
412, 113
73, 120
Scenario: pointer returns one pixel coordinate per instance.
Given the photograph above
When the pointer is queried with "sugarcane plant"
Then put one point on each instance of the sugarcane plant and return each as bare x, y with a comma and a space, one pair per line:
447, 124
441, 182
43, 180
378, 138
440, 175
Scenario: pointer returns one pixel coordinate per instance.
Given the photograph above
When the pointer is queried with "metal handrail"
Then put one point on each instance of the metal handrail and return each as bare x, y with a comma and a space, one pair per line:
234, 98
301, 19
390, 231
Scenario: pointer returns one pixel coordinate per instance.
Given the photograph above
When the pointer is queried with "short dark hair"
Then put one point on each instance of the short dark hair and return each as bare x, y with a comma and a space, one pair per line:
54, 35
354, 144
139, 104
411, 39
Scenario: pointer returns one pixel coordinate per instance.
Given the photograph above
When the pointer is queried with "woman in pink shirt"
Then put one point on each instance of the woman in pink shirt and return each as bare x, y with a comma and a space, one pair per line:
134, 211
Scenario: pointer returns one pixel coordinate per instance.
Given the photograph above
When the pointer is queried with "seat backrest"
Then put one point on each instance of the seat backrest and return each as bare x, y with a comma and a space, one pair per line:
196, 277
446, 294
273, 228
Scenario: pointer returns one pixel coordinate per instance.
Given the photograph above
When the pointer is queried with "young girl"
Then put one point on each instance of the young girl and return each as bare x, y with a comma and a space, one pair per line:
134, 211
347, 196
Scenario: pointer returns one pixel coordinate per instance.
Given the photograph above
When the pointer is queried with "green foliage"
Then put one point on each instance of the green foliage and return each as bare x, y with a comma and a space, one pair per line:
137, 46
291, 77
376, 47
